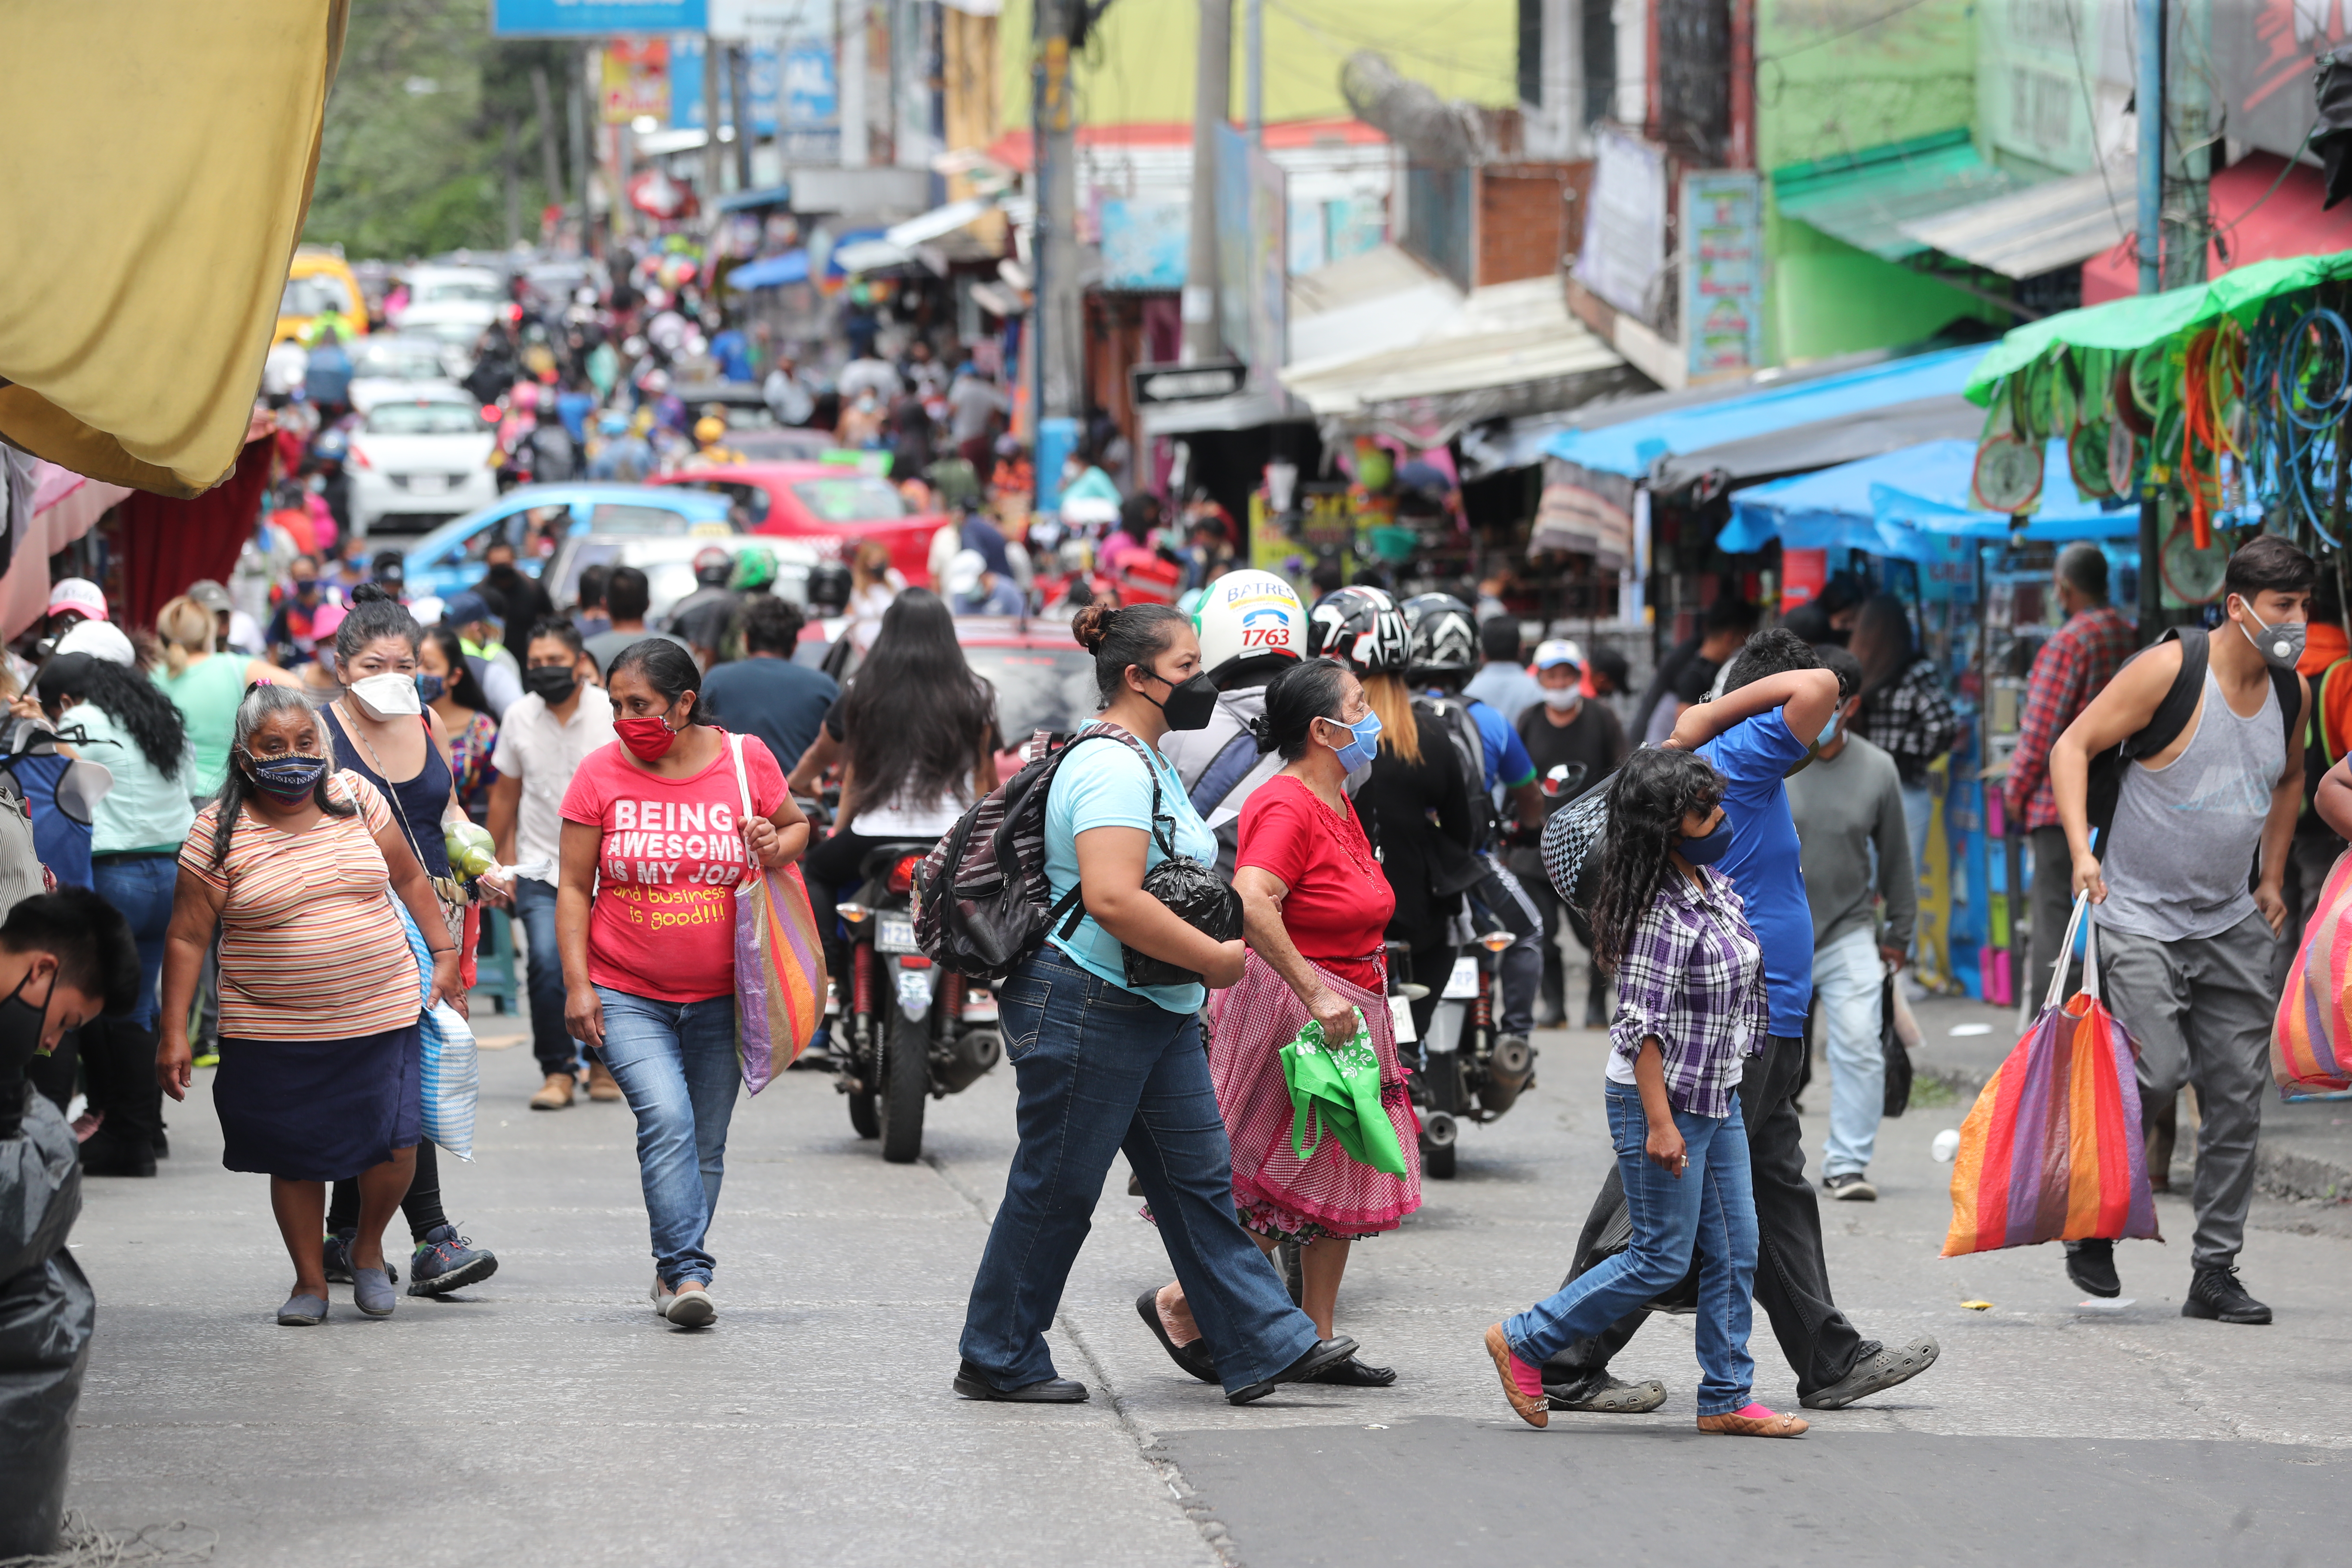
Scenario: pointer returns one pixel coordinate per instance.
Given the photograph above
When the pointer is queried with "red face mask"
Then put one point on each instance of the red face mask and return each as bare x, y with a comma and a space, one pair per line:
648, 740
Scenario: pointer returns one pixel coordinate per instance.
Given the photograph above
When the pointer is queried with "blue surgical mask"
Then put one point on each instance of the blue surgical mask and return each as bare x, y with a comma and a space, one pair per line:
1706, 851
1828, 734
1366, 741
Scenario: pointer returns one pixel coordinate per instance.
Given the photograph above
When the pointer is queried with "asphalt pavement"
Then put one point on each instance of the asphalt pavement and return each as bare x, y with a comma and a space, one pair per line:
549, 1417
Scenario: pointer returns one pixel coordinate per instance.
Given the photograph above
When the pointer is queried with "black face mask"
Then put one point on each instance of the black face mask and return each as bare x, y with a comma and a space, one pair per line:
1190, 703
553, 682
21, 1024
502, 574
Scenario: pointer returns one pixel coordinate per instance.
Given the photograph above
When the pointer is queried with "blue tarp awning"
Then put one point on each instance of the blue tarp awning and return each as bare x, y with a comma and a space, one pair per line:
742, 201
1899, 503
770, 271
1631, 448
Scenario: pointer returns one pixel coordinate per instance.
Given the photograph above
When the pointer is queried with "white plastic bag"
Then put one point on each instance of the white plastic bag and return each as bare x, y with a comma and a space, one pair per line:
453, 1062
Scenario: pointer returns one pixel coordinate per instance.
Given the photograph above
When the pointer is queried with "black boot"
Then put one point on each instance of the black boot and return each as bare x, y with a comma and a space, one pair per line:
2092, 1266
109, 1153
2215, 1293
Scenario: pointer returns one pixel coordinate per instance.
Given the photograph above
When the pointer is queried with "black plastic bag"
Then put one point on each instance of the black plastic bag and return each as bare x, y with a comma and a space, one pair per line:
1890, 1046
1198, 897
47, 1314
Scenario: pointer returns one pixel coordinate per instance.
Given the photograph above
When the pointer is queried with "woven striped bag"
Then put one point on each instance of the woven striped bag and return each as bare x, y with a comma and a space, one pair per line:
2311, 1045
780, 982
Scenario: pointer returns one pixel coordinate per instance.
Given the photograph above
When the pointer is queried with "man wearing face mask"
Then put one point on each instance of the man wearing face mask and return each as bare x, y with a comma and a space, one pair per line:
2187, 949
1564, 727
547, 735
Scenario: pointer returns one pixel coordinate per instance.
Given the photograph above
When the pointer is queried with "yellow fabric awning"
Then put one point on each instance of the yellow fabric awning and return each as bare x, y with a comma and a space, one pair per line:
160, 162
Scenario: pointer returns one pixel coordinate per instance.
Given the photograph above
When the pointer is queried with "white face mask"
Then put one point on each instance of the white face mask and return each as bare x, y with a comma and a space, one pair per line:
1563, 699
388, 696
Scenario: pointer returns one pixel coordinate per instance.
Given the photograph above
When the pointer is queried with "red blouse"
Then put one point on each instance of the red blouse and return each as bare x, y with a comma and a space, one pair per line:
1339, 902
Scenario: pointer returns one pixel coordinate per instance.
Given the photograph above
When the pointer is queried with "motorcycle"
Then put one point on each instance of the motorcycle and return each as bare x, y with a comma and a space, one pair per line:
903, 1030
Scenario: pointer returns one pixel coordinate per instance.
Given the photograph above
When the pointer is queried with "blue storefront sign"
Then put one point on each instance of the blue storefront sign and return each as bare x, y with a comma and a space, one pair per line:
595, 18
765, 66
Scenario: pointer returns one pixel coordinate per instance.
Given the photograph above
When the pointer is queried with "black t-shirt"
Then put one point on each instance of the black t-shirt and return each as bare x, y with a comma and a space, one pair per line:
1397, 800
775, 699
1594, 737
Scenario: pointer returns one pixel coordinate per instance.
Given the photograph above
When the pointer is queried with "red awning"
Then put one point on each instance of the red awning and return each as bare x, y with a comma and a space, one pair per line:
2249, 228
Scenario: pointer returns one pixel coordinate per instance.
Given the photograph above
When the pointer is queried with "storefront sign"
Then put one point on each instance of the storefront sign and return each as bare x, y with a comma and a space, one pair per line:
1157, 383
636, 81
763, 68
1723, 273
1144, 242
595, 18
1625, 250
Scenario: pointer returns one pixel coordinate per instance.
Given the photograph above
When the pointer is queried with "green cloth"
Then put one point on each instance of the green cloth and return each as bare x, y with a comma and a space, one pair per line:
207, 693
2145, 319
144, 810
1339, 1093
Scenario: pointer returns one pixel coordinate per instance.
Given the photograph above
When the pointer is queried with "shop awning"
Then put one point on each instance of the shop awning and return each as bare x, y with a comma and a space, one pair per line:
771, 271
1898, 503
1865, 198
1631, 447
1821, 444
2023, 234
742, 201
1242, 411
1510, 348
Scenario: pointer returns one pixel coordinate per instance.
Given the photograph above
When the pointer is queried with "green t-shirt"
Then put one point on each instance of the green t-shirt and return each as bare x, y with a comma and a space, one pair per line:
206, 694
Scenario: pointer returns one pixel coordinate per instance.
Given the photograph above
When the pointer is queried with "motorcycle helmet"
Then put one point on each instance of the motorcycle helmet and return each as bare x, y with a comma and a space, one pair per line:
713, 567
1362, 629
828, 588
1248, 621
755, 569
1444, 635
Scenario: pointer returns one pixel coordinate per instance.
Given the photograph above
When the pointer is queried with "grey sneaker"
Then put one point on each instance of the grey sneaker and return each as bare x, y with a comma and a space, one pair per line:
1611, 1398
1850, 1186
1877, 1368
303, 1313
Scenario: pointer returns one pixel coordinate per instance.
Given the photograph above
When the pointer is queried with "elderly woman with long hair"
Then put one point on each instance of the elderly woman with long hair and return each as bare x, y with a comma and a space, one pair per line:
132, 731
1690, 1011
297, 864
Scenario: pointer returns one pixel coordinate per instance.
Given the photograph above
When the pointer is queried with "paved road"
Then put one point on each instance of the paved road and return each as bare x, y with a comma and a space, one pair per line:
549, 1418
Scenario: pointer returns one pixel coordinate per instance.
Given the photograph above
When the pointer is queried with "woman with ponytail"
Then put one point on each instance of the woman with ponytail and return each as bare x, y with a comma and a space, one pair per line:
296, 865
205, 686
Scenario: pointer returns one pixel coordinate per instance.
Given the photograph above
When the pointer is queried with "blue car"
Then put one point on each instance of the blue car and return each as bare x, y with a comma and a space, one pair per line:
449, 558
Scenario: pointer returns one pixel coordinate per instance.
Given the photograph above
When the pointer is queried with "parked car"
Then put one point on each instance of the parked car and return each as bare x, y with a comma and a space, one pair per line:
1044, 679
450, 557
316, 281
402, 364
834, 502
419, 458
668, 562
454, 304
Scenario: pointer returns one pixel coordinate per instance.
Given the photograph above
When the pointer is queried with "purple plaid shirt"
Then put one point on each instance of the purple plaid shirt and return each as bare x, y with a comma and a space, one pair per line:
1693, 977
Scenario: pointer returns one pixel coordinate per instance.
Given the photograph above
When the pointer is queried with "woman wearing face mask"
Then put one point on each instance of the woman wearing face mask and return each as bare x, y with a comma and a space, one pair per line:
445, 682
379, 730
1690, 1011
1566, 728
1104, 1066
296, 864
655, 842
874, 585
1313, 907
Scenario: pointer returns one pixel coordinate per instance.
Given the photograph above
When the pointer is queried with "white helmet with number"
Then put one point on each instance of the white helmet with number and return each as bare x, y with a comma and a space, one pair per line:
1247, 620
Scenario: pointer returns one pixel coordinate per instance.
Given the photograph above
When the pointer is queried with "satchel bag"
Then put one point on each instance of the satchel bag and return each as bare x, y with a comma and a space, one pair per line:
1339, 1091
780, 982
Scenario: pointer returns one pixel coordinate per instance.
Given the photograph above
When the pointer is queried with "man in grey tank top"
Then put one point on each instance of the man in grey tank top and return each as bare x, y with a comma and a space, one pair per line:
2186, 950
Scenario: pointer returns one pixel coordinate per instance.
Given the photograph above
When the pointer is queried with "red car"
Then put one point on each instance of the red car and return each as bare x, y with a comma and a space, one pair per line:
823, 502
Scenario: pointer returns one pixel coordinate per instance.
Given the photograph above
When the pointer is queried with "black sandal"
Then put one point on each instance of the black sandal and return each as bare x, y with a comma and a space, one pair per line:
1193, 1358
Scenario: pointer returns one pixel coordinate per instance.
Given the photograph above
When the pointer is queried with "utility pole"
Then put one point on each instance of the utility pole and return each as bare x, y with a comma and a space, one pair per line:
1055, 342
575, 114
850, 84
711, 164
1211, 92
739, 97
2148, 102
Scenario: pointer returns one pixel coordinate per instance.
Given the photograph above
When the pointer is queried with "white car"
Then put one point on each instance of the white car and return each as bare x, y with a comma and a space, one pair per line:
454, 304
395, 365
418, 460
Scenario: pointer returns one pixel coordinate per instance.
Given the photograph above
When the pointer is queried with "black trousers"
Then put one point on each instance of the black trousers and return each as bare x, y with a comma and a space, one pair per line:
421, 1208
829, 867
1792, 1280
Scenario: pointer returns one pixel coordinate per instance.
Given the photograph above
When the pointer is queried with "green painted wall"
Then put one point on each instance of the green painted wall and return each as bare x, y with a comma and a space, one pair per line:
1138, 68
1836, 76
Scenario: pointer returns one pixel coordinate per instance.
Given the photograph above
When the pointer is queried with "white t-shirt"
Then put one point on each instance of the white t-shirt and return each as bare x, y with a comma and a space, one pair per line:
544, 753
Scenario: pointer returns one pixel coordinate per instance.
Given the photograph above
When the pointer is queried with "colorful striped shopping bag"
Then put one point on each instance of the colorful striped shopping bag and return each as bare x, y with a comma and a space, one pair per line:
2311, 1045
2053, 1149
780, 984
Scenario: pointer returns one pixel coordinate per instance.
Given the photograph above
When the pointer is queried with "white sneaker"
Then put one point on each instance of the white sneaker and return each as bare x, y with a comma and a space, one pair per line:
686, 1308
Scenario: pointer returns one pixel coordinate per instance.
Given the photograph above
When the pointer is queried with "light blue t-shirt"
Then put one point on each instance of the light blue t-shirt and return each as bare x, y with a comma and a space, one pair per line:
1103, 783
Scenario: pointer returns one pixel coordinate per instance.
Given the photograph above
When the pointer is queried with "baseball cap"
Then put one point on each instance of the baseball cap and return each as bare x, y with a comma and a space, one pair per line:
79, 594
465, 608
101, 641
212, 596
1559, 650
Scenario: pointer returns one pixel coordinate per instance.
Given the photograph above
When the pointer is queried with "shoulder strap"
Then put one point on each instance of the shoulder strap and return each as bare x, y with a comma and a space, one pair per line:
1226, 770
2172, 714
742, 774
2289, 687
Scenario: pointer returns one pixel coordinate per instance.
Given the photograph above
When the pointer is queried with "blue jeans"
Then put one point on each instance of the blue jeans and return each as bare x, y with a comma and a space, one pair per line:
140, 889
1712, 1205
1846, 976
550, 1042
676, 1063
1101, 1068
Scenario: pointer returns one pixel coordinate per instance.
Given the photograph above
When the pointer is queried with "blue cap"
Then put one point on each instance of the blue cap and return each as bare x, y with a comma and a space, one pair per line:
463, 609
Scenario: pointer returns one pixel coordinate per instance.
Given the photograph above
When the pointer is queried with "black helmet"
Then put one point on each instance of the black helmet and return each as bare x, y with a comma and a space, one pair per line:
828, 586
1444, 635
1360, 628
713, 566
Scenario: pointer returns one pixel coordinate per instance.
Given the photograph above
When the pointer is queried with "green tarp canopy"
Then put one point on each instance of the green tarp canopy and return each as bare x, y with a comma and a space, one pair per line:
2146, 319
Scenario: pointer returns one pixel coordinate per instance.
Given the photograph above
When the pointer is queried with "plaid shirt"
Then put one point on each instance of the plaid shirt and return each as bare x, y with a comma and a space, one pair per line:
2072, 666
1694, 978
1911, 720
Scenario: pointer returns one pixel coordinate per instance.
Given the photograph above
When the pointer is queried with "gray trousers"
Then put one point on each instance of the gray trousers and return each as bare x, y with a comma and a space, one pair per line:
2200, 1010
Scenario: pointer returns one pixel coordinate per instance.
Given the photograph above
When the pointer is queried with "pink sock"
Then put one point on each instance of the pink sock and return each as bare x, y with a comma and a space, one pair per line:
1755, 1411
1529, 1380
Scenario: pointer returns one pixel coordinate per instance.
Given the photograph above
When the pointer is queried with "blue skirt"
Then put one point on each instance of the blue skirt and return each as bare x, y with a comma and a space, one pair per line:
320, 1111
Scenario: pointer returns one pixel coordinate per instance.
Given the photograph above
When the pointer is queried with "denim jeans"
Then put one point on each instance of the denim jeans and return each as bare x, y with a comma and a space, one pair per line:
1846, 976
1101, 1068
550, 1042
1710, 1205
140, 887
676, 1063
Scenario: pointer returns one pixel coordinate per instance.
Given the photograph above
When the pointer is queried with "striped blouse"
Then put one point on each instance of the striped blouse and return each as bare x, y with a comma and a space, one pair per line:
311, 948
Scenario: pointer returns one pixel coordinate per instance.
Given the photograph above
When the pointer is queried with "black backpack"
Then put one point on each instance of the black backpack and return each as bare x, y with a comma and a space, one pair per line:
2164, 727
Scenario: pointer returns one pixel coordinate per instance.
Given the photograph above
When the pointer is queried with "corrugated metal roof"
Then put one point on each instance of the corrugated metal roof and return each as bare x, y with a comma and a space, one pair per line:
2040, 228
1865, 198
